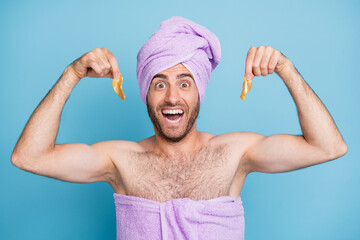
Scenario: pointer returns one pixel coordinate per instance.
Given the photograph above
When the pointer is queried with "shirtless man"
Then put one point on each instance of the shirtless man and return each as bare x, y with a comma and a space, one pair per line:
178, 161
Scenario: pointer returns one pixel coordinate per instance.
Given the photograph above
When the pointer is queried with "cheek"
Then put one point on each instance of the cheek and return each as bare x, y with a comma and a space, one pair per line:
192, 99
195, 96
153, 98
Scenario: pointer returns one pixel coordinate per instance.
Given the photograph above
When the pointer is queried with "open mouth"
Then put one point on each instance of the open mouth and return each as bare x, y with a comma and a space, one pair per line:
173, 115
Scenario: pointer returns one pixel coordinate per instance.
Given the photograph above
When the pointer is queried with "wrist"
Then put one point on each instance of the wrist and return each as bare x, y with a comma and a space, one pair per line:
286, 69
68, 79
71, 74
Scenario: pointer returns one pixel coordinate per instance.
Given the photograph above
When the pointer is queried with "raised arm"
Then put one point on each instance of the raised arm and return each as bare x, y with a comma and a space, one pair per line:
36, 150
321, 140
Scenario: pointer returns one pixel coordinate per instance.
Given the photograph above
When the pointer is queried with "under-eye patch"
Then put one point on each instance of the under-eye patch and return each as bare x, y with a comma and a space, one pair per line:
116, 83
246, 87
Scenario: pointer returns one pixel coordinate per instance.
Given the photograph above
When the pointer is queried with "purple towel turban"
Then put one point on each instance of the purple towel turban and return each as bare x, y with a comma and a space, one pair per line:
179, 40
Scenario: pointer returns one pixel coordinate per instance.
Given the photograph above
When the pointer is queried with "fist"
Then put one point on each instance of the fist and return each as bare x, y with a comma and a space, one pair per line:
263, 61
96, 63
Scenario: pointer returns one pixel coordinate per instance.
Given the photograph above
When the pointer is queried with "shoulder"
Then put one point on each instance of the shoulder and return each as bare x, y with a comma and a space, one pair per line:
237, 139
117, 150
116, 145
238, 144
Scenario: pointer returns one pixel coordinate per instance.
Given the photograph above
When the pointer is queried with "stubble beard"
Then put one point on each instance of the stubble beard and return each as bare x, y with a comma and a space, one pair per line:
193, 116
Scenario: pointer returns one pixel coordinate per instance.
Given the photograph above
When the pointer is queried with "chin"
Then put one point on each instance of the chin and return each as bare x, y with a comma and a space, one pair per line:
173, 137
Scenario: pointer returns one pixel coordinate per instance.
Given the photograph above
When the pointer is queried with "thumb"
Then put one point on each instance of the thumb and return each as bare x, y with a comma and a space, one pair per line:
248, 69
249, 76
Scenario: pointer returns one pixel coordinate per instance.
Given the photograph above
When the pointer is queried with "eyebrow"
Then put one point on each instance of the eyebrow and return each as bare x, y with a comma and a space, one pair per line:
182, 75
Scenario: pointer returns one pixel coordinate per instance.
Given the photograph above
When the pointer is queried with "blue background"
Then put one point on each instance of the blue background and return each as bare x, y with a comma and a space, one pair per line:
40, 38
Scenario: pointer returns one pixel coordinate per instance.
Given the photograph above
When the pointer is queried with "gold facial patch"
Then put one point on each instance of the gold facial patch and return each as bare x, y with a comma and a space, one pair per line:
246, 87
116, 83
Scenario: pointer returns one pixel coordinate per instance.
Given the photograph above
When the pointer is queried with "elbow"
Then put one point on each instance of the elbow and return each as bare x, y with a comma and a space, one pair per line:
16, 157
343, 150
338, 151
26, 162
15, 160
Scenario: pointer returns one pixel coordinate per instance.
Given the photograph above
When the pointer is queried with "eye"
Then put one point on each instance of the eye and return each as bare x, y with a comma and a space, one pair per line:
160, 85
185, 84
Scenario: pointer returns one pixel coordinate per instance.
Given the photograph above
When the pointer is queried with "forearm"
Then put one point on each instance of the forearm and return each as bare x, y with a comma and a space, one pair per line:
39, 134
317, 125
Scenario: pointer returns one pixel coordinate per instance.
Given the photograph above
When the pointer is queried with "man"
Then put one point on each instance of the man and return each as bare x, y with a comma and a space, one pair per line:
179, 183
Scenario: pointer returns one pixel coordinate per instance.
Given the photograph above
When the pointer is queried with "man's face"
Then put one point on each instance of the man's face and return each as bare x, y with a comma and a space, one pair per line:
173, 103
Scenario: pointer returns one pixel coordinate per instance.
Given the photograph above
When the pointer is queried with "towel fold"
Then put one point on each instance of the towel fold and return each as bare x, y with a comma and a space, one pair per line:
179, 40
179, 219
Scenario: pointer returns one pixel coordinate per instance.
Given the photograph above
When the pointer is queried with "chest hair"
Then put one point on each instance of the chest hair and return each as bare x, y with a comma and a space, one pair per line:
205, 175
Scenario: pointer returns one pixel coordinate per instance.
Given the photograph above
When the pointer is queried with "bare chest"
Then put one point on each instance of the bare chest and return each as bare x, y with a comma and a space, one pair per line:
208, 174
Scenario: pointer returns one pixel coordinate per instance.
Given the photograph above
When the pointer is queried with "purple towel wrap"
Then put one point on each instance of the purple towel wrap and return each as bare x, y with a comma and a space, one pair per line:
179, 40
179, 219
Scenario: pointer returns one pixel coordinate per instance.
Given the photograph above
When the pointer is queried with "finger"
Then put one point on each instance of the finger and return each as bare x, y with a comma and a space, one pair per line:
104, 62
249, 63
273, 61
113, 62
265, 61
93, 60
256, 64
96, 69
99, 57
110, 75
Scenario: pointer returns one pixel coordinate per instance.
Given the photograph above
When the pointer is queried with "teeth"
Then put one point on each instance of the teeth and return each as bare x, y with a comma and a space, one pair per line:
173, 121
176, 111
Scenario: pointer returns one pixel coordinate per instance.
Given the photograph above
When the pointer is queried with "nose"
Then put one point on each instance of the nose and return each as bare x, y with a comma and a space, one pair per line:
172, 95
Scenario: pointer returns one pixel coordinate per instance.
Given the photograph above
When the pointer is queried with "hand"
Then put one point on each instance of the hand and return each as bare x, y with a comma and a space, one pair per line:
263, 61
96, 63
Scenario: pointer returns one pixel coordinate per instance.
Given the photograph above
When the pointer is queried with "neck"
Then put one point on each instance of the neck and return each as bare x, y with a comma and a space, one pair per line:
190, 143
